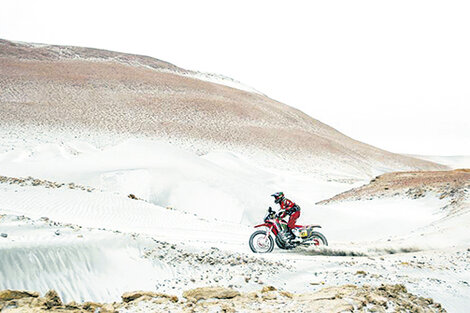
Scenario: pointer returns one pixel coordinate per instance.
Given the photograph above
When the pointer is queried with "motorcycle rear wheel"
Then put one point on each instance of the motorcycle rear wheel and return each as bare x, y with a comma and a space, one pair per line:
318, 239
259, 243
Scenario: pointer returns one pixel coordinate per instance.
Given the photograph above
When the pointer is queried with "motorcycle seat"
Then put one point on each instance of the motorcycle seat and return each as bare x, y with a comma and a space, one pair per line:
307, 226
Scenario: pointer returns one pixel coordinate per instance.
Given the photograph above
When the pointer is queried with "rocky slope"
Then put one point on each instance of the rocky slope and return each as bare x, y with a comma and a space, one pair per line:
452, 186
448, 190
57, 93
348, 298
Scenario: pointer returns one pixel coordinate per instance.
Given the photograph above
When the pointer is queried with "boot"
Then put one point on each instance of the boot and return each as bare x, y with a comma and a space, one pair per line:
294, 238
290, 234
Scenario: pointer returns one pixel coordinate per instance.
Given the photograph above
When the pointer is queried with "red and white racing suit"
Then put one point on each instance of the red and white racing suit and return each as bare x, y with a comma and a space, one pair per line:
291, 209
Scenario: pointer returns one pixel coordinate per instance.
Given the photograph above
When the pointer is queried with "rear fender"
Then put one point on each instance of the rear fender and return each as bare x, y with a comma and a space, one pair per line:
307, 226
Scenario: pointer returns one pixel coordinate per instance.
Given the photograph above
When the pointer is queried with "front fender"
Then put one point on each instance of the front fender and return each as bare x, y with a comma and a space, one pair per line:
271, 226
261, 225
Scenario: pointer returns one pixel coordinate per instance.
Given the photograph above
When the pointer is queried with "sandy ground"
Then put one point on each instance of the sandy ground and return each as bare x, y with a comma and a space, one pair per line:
114, 262
71, 236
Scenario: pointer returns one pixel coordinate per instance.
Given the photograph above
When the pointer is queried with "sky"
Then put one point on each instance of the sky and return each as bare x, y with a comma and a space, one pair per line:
394, 74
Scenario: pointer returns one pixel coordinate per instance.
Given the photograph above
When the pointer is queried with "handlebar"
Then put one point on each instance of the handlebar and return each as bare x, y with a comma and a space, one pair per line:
274, 213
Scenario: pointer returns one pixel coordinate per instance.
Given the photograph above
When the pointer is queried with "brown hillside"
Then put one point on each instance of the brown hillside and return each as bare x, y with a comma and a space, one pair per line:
76, 90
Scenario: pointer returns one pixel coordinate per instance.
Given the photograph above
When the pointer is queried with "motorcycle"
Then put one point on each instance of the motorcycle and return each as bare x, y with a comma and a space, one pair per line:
261, 241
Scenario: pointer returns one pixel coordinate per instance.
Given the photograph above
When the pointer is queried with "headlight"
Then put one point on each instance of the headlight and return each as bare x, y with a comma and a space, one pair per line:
266, 218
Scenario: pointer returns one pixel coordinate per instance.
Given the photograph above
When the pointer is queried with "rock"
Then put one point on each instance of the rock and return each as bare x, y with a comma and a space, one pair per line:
38, 302
4, 235
154, 300
146, 298
251, 295
330, 293
210, 293
270, 295
429, 300
376, 299
52, 299
286, 294
133, 295
393, 290
92, 306
72, 305
7, 295
317, 283
336, 299
377, 309
267, 289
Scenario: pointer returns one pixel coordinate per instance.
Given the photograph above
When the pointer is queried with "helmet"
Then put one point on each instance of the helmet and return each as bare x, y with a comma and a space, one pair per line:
278, 197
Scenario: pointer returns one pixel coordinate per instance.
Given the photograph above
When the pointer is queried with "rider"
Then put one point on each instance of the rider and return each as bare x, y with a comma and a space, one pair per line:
291, 209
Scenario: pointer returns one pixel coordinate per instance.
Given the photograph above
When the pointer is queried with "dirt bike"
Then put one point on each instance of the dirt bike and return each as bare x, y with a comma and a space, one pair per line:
261, 241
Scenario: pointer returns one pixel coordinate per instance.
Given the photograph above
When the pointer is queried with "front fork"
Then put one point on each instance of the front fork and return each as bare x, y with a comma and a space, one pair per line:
268, 232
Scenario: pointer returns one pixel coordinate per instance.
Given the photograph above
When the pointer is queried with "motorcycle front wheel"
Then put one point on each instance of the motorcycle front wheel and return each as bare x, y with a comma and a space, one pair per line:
260, 243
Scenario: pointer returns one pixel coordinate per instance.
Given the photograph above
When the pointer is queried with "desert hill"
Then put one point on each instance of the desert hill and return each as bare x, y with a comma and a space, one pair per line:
54, 93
